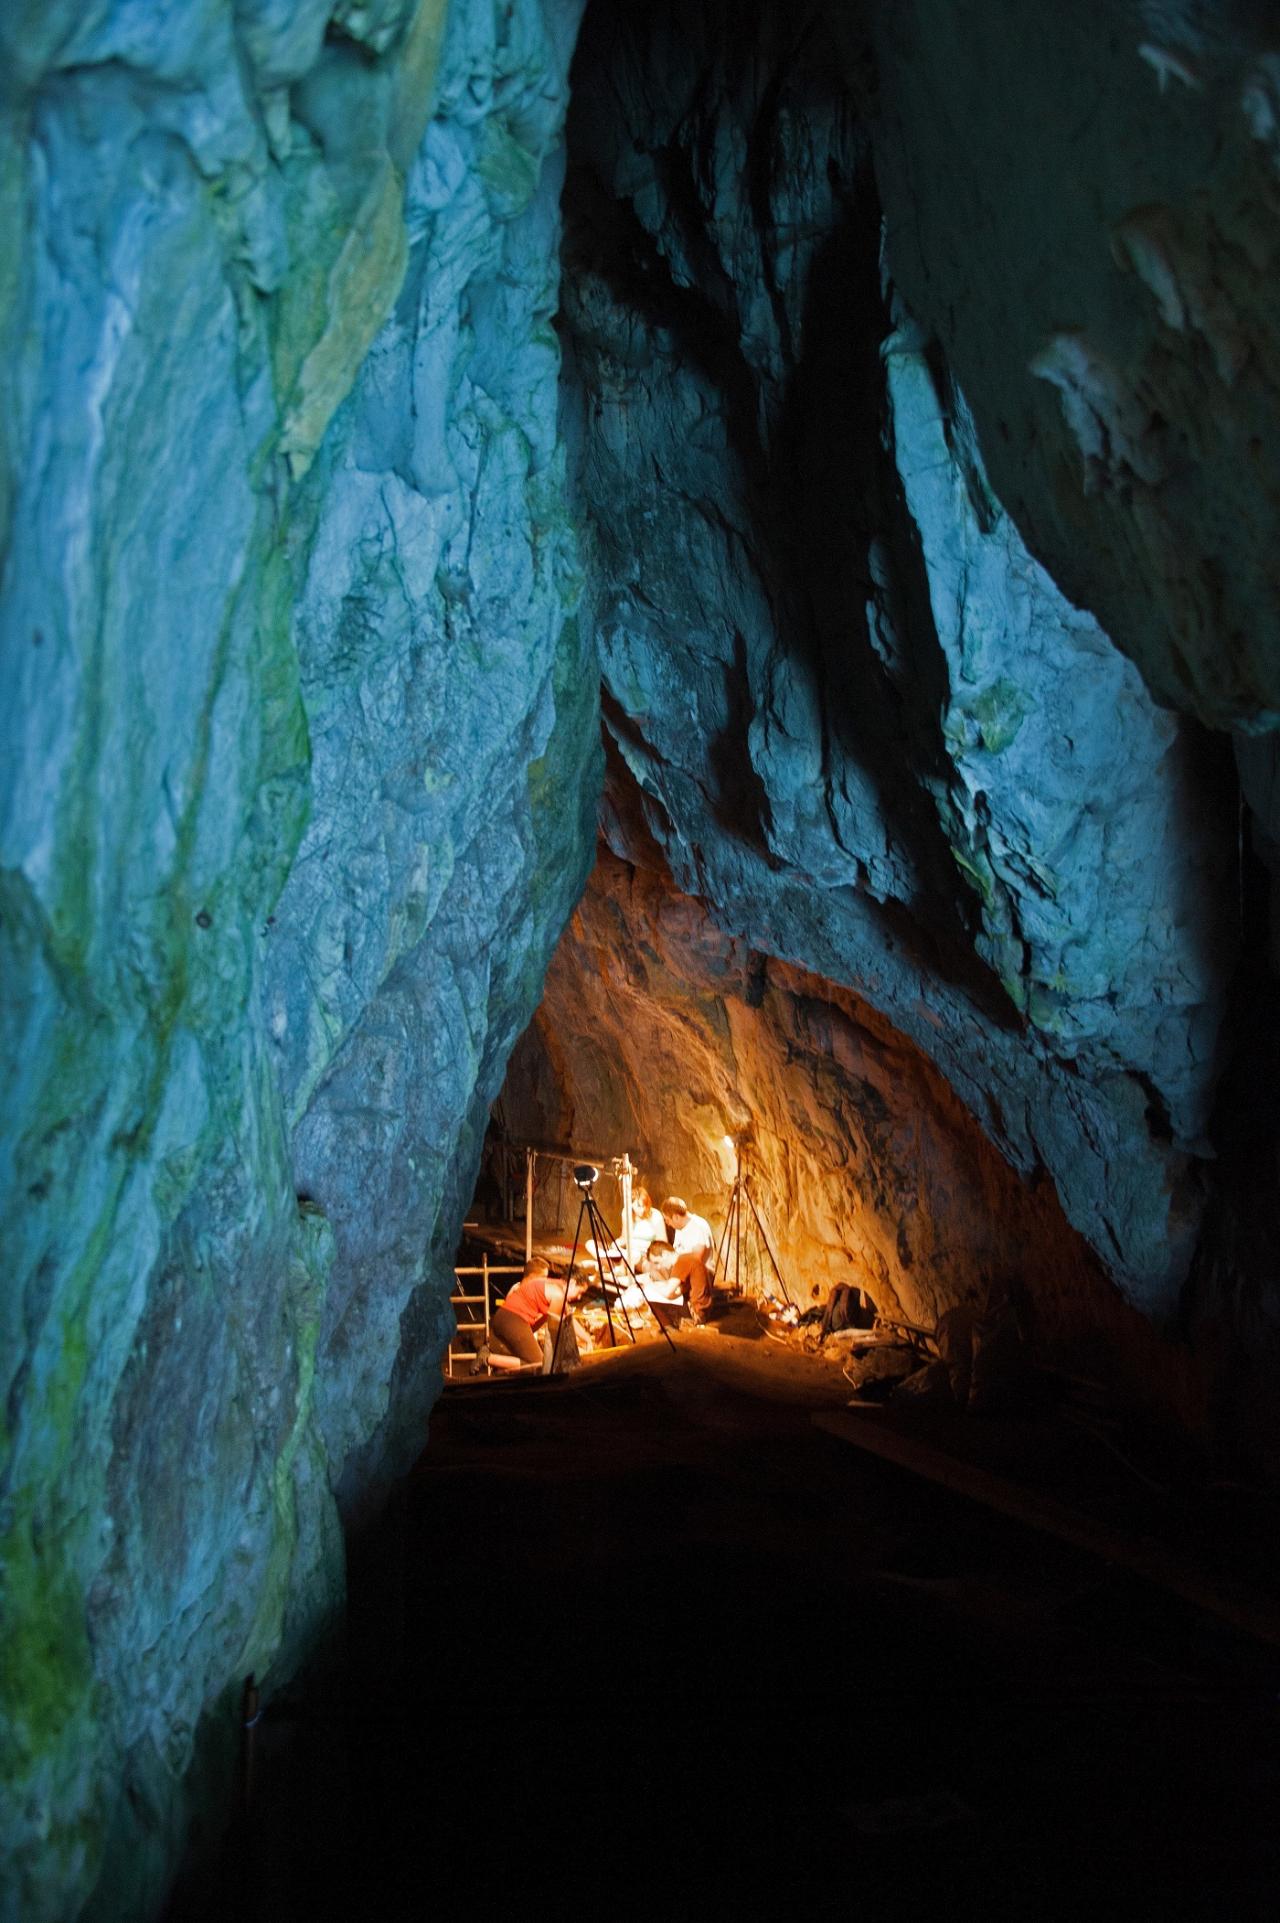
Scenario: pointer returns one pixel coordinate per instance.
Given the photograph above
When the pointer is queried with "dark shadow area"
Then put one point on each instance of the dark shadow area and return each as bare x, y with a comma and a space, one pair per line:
1231, 1304
644, 1642
741, 800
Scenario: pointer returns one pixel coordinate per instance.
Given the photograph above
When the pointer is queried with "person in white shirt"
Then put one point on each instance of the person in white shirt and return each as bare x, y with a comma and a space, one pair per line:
647, 1224
690, 1235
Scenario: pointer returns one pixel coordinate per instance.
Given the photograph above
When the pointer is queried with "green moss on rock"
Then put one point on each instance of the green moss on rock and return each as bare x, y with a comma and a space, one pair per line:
347, 299
1000, 711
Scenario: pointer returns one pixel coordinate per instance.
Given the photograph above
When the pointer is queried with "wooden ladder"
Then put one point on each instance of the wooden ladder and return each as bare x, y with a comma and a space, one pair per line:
474, 1314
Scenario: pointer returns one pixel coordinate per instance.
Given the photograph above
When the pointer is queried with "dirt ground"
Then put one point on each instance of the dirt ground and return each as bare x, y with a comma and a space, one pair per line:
645, 1640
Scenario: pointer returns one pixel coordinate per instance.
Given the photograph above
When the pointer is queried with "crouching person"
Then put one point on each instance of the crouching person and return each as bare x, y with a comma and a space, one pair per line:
691, 1236
667, 1278
525, 1322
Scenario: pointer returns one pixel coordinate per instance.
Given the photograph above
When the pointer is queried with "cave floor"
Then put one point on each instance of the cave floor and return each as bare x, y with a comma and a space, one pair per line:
646, 1638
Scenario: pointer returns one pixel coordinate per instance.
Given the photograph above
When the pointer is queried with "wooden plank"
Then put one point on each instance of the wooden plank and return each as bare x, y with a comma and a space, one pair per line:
1250, 1611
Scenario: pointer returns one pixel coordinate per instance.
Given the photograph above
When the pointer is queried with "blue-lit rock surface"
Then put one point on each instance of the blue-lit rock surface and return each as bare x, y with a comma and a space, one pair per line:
298, 788
1085, 208
870, 732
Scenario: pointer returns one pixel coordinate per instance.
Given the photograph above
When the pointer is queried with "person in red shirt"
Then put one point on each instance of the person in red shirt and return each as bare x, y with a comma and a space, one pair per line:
524, 1323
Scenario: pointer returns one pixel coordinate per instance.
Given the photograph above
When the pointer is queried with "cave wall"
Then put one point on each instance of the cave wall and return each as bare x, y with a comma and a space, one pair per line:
299, 780
870, 731
1085, 209
662, 1034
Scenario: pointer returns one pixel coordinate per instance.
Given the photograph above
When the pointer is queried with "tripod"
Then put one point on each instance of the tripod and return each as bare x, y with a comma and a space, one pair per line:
740, 1200
599, 1233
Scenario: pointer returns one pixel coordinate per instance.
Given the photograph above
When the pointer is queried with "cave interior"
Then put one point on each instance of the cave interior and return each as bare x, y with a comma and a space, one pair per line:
697, 585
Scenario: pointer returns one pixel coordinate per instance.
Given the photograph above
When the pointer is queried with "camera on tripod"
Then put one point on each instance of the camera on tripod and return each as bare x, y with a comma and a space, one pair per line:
609, 1257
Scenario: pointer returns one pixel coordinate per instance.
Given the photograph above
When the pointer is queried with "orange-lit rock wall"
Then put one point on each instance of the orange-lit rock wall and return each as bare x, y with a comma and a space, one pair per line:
661, 1035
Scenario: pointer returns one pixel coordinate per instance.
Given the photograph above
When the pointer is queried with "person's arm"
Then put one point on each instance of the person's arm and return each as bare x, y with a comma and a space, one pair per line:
559, 1292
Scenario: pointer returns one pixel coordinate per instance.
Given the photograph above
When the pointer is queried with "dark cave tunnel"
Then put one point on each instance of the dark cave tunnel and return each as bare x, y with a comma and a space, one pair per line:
696, 588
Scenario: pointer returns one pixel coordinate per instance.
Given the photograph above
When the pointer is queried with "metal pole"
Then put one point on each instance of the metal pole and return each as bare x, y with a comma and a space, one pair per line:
626, 1172
603, 1240
528, 1204
725, 1247
768, 1251
564, 1307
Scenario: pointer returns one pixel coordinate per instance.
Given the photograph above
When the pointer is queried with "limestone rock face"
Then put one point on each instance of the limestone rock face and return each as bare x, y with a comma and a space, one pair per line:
1086, 211
299, 775
864, 1165
868, 730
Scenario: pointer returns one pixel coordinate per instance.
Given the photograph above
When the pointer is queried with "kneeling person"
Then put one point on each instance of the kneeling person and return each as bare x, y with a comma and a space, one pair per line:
667, 1277
523, 1324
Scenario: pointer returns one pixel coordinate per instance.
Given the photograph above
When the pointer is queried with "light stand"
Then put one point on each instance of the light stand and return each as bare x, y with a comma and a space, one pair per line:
586, 1178
741, 1199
